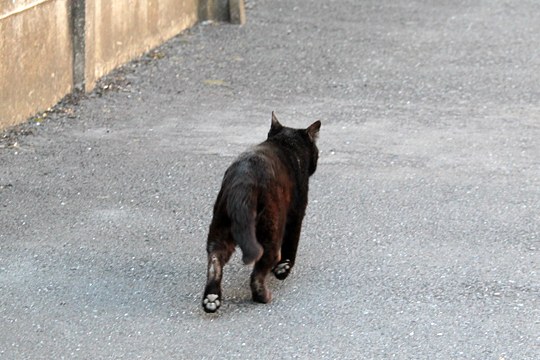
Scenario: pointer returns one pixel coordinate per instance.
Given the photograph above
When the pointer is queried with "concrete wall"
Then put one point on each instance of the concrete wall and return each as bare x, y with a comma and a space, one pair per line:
35, 57
117, 31
50, 47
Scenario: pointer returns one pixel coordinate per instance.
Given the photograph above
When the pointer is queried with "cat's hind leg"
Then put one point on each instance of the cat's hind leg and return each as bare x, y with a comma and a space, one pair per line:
269, 236
259, 290
218, 255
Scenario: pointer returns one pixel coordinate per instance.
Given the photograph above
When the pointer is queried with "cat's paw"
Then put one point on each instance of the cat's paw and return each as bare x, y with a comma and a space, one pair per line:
211, 303
263, 296
259, 291
282, 270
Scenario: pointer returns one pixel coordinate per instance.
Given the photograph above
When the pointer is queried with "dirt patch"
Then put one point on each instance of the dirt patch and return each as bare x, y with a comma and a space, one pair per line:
116, 81
11, 136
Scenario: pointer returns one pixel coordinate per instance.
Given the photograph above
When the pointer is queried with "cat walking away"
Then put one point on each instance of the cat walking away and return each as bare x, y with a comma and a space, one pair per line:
260, 209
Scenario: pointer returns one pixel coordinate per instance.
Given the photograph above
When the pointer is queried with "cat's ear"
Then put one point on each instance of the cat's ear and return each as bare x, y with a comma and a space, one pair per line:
276, 126
313, 130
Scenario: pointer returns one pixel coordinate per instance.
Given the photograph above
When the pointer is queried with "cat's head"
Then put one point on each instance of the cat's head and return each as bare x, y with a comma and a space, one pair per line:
301, 140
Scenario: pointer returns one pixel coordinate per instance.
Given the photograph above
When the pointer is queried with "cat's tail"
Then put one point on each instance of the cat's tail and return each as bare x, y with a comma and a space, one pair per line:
242, 210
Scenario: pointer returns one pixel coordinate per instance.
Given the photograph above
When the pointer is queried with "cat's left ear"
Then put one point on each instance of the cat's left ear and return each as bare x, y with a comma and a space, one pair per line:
313, 130
276, 125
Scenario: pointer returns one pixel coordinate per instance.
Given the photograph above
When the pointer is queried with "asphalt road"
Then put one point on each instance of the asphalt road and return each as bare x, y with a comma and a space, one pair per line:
422, 235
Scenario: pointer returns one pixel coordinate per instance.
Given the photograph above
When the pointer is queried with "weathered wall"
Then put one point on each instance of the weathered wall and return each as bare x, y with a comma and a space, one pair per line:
35, 57
49, 47
117, 31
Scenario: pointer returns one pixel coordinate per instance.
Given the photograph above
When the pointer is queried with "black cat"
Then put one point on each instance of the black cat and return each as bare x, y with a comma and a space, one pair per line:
260, 208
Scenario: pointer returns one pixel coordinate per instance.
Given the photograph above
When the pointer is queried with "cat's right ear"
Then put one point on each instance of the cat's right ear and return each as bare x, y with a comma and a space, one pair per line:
275, 127
313, 130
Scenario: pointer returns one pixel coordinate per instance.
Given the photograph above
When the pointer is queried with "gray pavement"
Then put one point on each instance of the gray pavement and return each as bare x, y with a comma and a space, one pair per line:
421, 239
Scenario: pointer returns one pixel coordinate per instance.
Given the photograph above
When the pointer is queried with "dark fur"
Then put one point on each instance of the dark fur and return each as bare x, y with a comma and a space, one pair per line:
260, 208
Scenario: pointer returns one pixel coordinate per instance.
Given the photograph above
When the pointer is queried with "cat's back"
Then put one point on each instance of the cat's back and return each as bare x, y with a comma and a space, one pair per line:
261, 164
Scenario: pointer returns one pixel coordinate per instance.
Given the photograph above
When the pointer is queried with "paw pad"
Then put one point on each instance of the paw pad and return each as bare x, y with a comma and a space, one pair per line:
281, 271
211, 303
